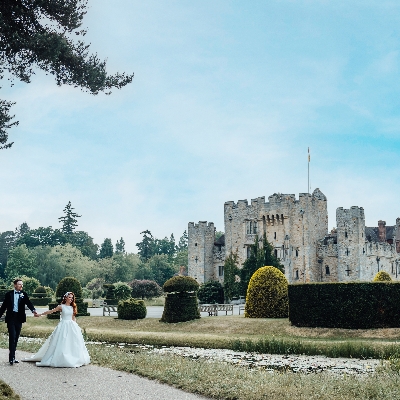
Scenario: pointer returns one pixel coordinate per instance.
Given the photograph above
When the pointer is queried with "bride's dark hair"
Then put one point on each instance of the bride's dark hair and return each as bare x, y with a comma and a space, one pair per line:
73, 304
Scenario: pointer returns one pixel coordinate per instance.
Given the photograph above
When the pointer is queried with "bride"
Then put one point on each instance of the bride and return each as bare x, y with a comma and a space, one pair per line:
65, 347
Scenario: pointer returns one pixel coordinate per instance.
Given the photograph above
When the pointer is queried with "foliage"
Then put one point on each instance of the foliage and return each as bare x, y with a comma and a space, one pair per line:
145, 289
180, 307
40, 34
120, 246
150, 246
122, 291
350, 305
7, 240
95, 286
259, 256
69, 220
55, 263
181, 284
30, 284
218, 234
382, 276
20, 262
161, 268
267, 294
42, 237
181, 259
68, 284
110, 294
211, 292
183, 242
231, 277
41, 290
6, 392
131, 309
106, 249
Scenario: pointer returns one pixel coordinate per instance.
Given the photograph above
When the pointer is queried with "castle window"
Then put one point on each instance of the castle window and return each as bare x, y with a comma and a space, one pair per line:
297, 274
195, 244
345, 234
248, 251
255, 227
297, 253
274, 235
347, 252
275, 252
363, 250
221, 270
327, 272
249, 227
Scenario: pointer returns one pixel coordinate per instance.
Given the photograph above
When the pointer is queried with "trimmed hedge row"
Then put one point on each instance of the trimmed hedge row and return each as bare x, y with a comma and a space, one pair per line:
352, 305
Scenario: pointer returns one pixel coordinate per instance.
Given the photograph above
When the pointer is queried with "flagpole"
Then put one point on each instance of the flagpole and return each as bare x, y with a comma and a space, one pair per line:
308, 172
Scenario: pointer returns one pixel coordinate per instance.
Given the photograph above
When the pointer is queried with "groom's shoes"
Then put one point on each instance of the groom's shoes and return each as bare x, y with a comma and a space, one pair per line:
11, 362
16, 361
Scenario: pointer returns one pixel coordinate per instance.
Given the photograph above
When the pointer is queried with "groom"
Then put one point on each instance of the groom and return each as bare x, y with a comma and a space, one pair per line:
14, 302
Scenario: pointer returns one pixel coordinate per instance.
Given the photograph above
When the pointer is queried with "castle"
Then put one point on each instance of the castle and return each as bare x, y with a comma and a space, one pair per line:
298, 231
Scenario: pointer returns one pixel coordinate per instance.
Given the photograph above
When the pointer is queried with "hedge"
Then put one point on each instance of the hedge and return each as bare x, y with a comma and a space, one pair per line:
131, 309
353, 305
180, 307
40, 301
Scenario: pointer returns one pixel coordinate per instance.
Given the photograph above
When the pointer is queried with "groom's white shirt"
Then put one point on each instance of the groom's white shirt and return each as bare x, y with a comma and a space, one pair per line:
16, 297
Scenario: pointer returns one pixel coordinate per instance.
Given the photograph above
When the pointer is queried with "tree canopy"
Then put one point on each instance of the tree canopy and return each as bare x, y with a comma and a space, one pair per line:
39, 34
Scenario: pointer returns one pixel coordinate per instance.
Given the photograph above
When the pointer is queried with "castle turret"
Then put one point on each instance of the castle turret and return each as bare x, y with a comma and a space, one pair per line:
201, 238
351, 240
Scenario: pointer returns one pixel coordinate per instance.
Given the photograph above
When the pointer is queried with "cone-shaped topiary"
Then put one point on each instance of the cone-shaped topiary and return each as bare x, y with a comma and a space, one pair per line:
382, 276
181, 301
69, 284
267, 294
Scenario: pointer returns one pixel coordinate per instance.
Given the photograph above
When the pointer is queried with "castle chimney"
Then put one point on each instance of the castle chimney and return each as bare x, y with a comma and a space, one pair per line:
382, 231
398, 235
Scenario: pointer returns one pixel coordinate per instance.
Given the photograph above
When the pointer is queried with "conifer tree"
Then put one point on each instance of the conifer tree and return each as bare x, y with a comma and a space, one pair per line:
107, 249
69, 221
260, 256
120, 246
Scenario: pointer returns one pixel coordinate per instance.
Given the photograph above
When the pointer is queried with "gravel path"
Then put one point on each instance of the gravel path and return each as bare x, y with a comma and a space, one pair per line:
88, 382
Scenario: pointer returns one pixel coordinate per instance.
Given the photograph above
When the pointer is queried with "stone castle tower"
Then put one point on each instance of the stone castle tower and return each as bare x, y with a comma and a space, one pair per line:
298, 231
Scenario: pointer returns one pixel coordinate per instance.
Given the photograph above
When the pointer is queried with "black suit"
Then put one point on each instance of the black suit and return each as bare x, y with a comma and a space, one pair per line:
14, 319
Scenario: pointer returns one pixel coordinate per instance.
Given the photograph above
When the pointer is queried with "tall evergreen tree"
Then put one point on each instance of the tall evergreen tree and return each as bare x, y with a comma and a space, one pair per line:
106, 249
69, 220
147, 246
120, 246
231, 275
183, 242
41, 34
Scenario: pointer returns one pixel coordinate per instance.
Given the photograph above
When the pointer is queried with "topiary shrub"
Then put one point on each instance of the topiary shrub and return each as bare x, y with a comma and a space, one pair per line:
69, 284
30, 284
181, 284
267, 294
110, 295
39, 297
145, 289
181, 301
211, 293
122, 291
382, 276
131, 309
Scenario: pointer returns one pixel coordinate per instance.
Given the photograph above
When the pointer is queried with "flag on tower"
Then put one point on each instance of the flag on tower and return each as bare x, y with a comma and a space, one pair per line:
309, 158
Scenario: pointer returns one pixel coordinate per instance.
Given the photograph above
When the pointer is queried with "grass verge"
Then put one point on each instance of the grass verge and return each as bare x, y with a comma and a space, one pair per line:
224, 381
7, 393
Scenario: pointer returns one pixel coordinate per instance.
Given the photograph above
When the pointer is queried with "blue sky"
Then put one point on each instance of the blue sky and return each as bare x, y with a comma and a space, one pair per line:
227, 96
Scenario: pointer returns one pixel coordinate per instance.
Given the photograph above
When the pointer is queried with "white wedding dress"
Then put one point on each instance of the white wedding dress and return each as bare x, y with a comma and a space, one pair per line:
65, 347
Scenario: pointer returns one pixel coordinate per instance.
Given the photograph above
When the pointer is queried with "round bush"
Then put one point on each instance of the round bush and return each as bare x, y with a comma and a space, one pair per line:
40, 289
211, 293
181, 284
145, 289
267, 294
30, 284
68, 284
122, 291
131, 309
382, 276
